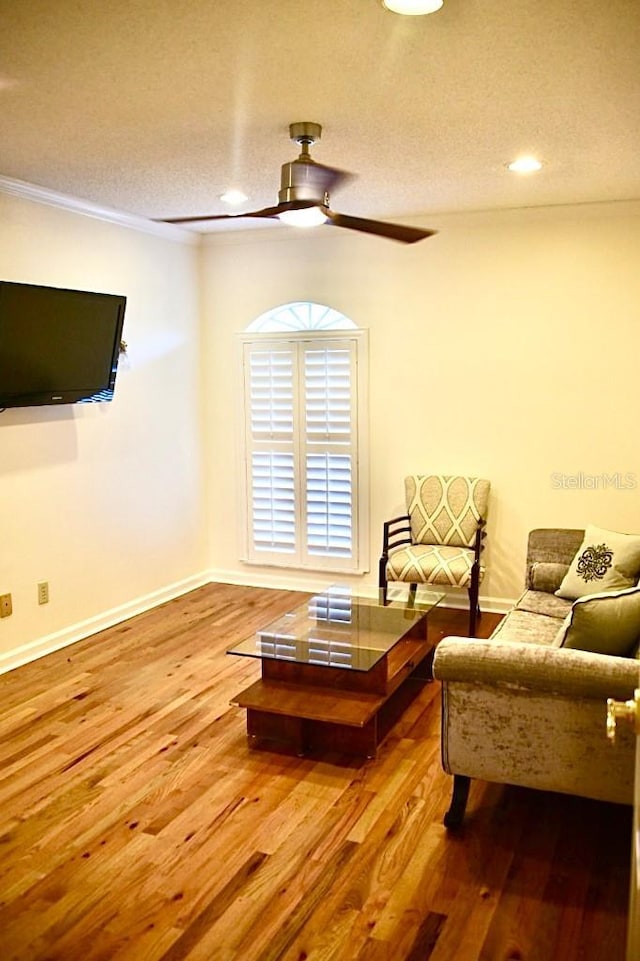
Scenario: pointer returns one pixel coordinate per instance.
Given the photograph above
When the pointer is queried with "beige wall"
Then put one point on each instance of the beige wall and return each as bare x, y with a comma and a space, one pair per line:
104, 501
506, 347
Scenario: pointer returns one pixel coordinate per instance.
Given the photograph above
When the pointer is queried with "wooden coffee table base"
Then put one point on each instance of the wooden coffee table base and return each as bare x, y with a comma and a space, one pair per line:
304, 736
315, 708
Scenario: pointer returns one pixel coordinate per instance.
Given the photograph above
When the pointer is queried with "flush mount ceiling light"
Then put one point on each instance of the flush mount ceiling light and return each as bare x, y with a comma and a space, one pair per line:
412, 8
525, 165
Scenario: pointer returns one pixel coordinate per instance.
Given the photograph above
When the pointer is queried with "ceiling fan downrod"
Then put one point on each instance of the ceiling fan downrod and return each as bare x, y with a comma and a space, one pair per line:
306, 134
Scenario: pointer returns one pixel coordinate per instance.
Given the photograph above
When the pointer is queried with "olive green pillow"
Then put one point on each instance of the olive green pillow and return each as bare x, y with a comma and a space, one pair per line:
606, 623
605, 561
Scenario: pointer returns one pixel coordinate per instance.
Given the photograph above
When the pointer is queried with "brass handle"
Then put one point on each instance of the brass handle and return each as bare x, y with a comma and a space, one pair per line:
627, 710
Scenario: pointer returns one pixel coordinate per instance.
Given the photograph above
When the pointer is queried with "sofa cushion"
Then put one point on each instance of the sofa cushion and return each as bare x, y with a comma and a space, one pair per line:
605, 561
605, 623
523, 627
547, 576
539, 602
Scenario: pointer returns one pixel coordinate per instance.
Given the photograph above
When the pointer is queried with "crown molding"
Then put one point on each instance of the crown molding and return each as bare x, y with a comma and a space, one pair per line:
42, 195
278, 232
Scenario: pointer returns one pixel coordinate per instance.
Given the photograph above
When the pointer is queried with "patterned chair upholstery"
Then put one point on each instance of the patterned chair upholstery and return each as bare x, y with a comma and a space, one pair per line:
439, 540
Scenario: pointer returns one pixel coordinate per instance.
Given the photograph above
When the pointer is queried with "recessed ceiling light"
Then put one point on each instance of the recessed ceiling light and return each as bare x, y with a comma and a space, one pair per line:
233, 196
525, 165
412, 8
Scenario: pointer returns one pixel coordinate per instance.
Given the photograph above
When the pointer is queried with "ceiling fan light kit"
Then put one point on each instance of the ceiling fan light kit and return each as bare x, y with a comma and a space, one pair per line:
233, 196
307, 217
412, 8
303, 198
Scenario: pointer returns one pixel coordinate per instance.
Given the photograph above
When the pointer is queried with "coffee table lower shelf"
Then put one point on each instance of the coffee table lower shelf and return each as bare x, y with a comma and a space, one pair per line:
309, 718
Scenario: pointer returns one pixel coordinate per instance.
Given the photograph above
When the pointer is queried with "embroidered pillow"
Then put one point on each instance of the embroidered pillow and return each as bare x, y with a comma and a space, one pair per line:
605, 561
607, 623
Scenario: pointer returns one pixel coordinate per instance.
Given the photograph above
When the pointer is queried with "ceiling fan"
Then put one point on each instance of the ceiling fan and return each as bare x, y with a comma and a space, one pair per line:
303, 198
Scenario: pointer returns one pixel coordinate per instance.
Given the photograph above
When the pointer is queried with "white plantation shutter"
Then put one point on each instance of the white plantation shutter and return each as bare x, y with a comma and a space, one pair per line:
302, 450
329, 505
272, 393
329, 381
273, 501
270, 406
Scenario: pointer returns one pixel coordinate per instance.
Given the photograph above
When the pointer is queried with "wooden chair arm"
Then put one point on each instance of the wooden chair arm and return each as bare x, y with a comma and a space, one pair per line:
395, 532
481, 533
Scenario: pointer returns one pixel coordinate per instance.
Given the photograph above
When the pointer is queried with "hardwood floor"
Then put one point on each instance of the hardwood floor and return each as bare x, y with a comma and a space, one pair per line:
136, 824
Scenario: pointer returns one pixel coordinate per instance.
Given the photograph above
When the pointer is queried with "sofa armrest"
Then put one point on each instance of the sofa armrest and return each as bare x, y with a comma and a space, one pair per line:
535, 716
534, 667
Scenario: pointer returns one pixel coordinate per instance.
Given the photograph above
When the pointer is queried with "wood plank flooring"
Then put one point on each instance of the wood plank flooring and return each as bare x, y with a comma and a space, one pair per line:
136, 824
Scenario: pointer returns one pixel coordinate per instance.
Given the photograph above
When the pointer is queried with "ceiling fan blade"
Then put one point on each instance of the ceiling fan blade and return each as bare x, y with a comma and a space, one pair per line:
327, 178
265, 212
405, 235
305, 183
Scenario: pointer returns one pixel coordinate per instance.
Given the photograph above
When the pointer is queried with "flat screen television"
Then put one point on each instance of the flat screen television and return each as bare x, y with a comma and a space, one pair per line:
57, 346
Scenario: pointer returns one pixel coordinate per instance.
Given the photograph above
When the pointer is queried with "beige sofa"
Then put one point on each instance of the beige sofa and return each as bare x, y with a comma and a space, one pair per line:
516, 709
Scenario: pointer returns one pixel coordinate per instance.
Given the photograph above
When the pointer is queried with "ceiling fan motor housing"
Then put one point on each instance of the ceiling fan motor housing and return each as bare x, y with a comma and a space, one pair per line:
301, 180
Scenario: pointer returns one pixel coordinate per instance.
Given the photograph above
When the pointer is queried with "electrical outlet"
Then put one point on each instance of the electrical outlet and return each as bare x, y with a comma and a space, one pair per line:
43, 592
6, 607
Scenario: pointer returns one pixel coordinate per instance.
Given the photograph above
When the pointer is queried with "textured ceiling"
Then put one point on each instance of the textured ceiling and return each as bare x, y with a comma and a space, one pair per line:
155, 107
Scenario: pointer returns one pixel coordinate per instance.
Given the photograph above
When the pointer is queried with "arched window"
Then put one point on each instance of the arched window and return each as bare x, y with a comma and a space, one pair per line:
301, 315
305, 382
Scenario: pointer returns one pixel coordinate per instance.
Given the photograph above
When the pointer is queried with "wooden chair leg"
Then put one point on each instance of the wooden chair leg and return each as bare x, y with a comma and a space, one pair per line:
455, 815
474, 608
382, 579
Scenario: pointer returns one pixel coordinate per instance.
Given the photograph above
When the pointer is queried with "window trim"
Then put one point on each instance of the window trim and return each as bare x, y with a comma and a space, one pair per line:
360, 562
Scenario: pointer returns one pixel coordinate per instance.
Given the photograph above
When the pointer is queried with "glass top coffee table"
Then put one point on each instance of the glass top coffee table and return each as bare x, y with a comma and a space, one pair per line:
337, 670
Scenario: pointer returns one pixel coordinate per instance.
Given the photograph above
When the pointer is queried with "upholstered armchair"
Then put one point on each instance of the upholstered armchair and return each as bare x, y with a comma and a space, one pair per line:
439, 540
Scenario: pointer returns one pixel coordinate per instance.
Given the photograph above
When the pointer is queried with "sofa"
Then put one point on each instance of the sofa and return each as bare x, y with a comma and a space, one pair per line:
519, 708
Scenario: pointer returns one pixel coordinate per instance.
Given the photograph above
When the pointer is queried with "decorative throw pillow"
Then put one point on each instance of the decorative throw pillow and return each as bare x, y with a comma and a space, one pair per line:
607, 623
605, 561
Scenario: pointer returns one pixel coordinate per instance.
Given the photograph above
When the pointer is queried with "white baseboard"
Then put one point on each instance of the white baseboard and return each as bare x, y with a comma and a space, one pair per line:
284, 580
491, 605
276, 581
301, 581
77, 632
